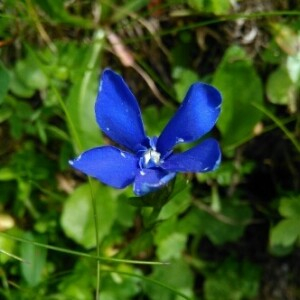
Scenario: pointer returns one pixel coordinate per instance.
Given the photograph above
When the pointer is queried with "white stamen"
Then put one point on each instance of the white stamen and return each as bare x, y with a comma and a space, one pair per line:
151, 158
147, 157
123, 154
142, 173
155, 156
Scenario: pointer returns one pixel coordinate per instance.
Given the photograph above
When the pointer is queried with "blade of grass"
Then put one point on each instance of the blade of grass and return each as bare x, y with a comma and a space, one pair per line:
280, 124
173, 290
81, 254
98, 38
12, 255
220, 19
252, 136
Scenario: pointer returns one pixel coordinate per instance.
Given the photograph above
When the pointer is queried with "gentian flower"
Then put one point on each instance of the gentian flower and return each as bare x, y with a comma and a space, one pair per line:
149, 163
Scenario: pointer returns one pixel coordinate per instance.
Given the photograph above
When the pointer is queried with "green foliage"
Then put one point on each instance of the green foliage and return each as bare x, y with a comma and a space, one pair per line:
238, 95
81, 98
118, 286
34, 260
57, 12
203, 236
217, 7
183, 78
4, 82
280, 88
233, 280
286, 232
77, 215
227, 225
181, 281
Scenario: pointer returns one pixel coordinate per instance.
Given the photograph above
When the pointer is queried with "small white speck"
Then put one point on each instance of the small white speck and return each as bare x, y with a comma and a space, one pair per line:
77, 158
71, 162
142, 173
100, 86
107, 129
179, 140
123, 154
205, 169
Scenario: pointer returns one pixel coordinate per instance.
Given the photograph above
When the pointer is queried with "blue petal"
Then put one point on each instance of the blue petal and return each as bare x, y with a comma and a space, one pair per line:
118, 113
195, 117
149, 180
108, 164
203, 158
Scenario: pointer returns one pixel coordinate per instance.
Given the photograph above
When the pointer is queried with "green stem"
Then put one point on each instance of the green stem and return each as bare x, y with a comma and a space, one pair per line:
152, 281
81, 254
289, 135
219, 19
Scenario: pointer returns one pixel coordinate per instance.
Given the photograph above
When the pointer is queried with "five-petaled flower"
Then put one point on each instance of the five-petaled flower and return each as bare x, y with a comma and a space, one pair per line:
150, 162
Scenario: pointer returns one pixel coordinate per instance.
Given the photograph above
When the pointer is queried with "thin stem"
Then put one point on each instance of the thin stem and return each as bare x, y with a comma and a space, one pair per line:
279, 124
81, 254
96, 223
152, 281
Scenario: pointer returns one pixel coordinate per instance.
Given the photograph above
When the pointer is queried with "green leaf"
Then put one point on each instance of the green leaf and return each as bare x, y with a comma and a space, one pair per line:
198, 5
35, 259
129, 6
176, 275
217, 7
4, 82
19, 88
58, 13
7, 174
233, 280
77, 217
183, 80
125, 212
227, 226
220, 7
285, 233
240, 87
171, 247
82, 96
293, 68
75, 285
290, 207
169, 241
117, 286
5, 113
30, 73
280, 88
191, 223
7, 246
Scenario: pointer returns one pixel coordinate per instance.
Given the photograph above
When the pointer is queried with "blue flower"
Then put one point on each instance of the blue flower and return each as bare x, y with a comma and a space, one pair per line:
150, 162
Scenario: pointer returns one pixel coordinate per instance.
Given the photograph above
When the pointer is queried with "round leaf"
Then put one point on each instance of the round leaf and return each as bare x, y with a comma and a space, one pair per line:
78, 215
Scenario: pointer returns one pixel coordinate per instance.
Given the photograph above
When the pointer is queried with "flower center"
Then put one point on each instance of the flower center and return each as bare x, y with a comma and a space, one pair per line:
151, 158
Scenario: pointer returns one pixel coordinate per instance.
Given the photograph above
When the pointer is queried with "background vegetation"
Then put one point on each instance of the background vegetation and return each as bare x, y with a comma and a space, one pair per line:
233, 234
